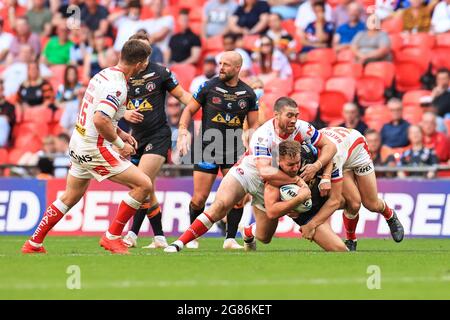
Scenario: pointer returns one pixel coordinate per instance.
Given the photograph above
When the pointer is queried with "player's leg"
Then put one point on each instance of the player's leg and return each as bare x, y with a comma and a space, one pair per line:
262, 229
367, 185
75, 189
327, 239
350, 216
229, 193
141, 186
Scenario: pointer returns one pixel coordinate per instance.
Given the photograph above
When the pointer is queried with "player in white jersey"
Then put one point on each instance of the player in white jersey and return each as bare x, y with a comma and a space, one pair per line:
260, 164
353, 163
99, 149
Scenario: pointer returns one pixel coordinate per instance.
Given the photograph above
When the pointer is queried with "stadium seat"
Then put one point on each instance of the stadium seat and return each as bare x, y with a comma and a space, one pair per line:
325, 55
382, 69
443, 39
3, 156
421, 39
413, 97
370, 91
392, 25
289, 26
419, 56
280, 86
314, 69
184, 73
346, 85
347, 69
15, 155
213, 44
331, 104
413, 114
57, 75
296, 70
250, 41
407, 76
307, 98
396, 42
345, 55
306, 114
440, 58
269, 99
38, 115
312, 84
376, 116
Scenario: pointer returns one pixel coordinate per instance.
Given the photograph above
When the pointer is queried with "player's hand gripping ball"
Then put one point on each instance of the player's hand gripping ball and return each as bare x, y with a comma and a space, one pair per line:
289, 191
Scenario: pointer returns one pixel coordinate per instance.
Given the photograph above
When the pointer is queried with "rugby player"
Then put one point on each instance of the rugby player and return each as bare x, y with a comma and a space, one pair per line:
147, 115
226, 102
352, 156
259, 165
99, 149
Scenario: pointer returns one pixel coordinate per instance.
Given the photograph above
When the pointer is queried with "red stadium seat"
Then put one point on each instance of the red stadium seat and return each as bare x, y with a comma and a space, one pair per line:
213, 44
57, 75
370, 91
347, 69
396, 42
392, 25
346, 85
250, 41
407, 76
443, 39
15, 155
419, 56
331, 104
289, 26
296, 70
184, 73
3, 156
413, 97
307, 98
376, 116
38, 115
440, 58
269, 99
312, 84
325, 55
345, 55
421, 39
280, 86
382, 69
314, 69
306, 114
413, 114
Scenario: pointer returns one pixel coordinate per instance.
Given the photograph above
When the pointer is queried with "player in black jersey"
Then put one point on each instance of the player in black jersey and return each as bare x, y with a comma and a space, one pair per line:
226, 102
292, 157
147, 115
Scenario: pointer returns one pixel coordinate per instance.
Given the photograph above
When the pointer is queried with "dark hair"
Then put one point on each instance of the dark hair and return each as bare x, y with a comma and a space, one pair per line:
45, 165
443, 70
66, 76
134, 4
266, 66
319, 4
140, 35
370, 131
184, 11
277, 14
289, 148
229, 35
283, 102
64, 136
135, 51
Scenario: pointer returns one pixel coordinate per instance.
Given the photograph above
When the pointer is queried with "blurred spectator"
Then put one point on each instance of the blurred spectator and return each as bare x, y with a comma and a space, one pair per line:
40, 17
428, 106
173, 111
45, 169
395, 133
319, 33
95, 16
250, 18
31, 159
209, 72
434, 139
97, 59
441, 17
10, 12
71, 111
16, 73
441, 93
35, 91
216, 14
7, 119
384, 9
306, 15
373, 44
157, 55
417, 18
348, 30
264, 112
61, 160
272, 63
6, 39
68, 90
282, 39
286, 9
66, 8
160, 27
23, 36
379, 153
57, 49
230, 44
342, 13
417, 155
352, 118
80, 48
185, 46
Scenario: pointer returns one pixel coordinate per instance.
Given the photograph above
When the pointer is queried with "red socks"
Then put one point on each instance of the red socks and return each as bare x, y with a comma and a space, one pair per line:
53, 214
387, 212
198, 228
127, 209
248, 231
350, 226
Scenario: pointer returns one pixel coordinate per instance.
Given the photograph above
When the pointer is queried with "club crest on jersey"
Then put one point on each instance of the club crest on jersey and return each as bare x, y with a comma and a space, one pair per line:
150, 86
216, 100
240, 171
118, 93
242, 103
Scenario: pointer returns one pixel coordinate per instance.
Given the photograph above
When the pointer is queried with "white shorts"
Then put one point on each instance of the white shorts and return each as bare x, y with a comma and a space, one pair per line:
359, 160
99, 163
251, 182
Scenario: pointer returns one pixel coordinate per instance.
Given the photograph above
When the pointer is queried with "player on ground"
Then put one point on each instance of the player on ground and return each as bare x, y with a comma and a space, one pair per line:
98, 149
225, 101
269, 207
147, 115
259, 165
353, 156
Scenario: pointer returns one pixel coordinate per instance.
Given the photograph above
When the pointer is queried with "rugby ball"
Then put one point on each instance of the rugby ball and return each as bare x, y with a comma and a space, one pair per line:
289, 191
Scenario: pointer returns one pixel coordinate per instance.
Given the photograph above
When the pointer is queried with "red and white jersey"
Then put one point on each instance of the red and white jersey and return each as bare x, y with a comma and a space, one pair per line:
265, 141
107, 93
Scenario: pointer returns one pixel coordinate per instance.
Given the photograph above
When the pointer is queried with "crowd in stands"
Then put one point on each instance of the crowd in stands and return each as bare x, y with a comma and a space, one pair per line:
379, 66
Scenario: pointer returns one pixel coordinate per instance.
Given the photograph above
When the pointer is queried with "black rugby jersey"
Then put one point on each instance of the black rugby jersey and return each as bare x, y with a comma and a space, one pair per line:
147, 94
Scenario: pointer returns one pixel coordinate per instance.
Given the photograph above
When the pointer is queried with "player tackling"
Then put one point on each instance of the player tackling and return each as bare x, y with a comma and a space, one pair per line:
99, 149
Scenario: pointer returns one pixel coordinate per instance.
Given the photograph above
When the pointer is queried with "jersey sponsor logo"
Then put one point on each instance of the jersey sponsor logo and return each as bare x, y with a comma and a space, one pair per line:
148, 75
101, 170
232, 122
364, 169
113, 100
150, 86
139, 104
239, 93
262, 151
240, 171
89, 98
216, 100
80, 129
80, 158
137, 82
148, 147
230, 97
221, 90
242, 103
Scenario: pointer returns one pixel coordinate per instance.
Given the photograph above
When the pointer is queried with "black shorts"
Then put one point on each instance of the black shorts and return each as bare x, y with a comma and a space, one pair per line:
305, 217
158, 143
211, 168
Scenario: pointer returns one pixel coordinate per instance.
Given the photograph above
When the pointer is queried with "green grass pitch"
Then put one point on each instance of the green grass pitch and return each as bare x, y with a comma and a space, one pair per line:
284, 269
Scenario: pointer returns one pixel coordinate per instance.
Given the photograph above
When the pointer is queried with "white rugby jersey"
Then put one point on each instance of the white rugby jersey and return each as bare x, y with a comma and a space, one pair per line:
265, 141
107, 93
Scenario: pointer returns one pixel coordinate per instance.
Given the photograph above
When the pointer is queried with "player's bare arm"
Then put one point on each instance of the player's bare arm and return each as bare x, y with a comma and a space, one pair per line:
272, 175
106, 129
276, 208
184, 137
182, 95
126, 137
325, 181
327, 152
